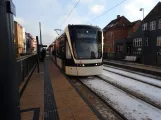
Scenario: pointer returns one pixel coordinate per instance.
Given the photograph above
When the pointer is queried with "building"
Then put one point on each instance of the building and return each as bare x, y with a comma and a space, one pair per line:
124, 46
18, 38
29, 43
24, 40
147, 42
34, 45
115, 30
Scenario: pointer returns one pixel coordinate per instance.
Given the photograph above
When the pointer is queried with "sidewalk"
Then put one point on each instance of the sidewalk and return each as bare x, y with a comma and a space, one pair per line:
69, 104
50, 96
32, 100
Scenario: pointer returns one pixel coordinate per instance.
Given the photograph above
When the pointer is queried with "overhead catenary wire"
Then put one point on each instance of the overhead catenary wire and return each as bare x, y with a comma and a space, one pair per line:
107, 11
70, 12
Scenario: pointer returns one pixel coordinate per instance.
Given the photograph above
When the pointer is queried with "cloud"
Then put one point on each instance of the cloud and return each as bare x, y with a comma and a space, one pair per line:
131, 9
52, 13
19, 20
97, 9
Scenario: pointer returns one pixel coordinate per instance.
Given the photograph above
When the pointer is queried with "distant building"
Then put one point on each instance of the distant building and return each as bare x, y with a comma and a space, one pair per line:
24, 40
147, 42
139, 39
115, 30
34, 45
29, 43
124, 46
18, 38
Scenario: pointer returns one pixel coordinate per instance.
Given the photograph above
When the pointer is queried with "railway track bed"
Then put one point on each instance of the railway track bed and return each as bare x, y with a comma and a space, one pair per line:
129, 106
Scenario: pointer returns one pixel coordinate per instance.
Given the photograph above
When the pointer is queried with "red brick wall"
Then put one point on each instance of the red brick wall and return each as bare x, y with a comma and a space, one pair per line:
136, 26
109, 41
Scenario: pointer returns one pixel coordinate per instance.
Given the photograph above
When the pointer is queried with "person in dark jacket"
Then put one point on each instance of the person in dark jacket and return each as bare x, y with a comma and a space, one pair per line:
43, 54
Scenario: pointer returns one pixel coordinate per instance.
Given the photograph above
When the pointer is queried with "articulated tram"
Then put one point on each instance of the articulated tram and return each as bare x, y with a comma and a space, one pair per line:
78, 50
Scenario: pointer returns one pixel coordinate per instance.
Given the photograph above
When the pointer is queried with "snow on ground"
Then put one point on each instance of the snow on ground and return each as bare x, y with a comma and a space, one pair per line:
131, 107
149, 92
136, 76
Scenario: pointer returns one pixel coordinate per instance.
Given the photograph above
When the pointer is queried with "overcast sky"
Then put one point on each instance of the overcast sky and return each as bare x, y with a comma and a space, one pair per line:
53, 12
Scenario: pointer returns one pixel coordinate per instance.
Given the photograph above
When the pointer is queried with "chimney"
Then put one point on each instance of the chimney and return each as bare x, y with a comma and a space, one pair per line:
118, 16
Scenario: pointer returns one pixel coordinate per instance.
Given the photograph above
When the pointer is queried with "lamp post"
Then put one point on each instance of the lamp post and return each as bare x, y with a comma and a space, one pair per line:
142, 9
143, 41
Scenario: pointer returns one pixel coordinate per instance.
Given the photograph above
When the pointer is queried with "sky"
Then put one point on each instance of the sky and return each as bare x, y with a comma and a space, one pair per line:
52, 13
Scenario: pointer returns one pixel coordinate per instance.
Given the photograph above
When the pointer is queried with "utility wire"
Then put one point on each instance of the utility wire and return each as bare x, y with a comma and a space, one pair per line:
70, 12
107, 11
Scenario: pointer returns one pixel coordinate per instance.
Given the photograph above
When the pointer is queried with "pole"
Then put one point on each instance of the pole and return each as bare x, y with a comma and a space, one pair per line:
9, 83
38, 54
40, 33
143, 41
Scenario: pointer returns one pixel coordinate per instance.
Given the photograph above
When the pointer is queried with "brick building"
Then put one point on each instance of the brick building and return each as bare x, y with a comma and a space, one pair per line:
29, 43
124, 46
34, 45
115, 30
18, 38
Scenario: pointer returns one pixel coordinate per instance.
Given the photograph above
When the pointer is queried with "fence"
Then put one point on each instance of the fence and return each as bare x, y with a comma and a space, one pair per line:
24, 66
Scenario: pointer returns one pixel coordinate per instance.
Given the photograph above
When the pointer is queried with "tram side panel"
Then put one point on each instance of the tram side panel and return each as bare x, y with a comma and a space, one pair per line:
60, 52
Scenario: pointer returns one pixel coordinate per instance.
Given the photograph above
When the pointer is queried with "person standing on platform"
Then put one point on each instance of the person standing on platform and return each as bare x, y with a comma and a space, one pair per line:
43, 54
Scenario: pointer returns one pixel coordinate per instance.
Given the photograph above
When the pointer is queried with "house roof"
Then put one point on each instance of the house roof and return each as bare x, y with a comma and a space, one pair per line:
154, 13
133, 23
113, 23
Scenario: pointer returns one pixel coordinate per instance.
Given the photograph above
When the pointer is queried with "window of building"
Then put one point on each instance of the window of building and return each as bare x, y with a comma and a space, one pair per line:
112, 35
107, 35
145, 26
146, 42
134, 42
159, 41
152, 25
137, 42
159, 25
140, 41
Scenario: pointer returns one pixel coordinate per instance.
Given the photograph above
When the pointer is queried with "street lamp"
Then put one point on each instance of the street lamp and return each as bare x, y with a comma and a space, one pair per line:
142, 9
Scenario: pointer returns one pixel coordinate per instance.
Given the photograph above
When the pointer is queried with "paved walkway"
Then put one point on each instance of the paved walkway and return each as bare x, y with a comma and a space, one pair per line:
45, 89
32, 100
69, 104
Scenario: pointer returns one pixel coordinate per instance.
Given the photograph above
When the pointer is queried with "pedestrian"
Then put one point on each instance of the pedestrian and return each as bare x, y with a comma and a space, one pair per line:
43, 54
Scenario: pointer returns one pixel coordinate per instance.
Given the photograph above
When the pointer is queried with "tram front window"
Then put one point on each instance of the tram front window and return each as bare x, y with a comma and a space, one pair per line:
87, 43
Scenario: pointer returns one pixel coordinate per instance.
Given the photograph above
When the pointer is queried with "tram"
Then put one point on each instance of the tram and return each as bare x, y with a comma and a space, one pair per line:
78, 51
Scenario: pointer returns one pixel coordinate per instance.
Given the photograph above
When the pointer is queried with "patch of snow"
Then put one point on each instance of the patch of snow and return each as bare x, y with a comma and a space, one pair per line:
150, 92
136, 76
131, 107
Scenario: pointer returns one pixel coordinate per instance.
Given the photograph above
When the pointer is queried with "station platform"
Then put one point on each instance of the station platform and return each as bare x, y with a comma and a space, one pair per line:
49, 96
153, 70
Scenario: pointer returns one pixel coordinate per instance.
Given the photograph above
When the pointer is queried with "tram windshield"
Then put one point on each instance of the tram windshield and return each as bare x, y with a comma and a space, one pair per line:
87, 43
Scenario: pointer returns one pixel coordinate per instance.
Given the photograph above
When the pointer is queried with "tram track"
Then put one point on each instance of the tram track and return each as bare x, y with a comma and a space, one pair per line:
133, 93
155, 85
149, 105
108, 111
133, 72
